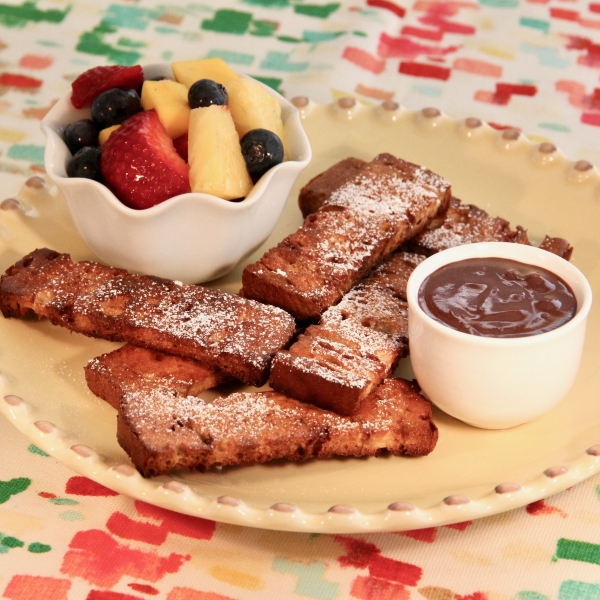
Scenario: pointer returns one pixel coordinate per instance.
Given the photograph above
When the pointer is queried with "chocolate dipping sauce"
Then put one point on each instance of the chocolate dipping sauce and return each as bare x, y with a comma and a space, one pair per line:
497, 297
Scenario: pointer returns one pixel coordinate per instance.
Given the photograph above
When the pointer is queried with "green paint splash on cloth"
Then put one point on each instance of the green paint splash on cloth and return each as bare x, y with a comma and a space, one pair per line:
230, 56
30, 152
20, 16
228, 21
268, 3
279, 61
272, 82
13, 487
12, 542
579, 551
321, 11
92, 42
578, 590
130, 17
38, 548
35, 450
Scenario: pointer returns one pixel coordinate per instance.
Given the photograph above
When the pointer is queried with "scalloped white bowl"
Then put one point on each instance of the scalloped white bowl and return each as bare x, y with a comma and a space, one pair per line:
192, 237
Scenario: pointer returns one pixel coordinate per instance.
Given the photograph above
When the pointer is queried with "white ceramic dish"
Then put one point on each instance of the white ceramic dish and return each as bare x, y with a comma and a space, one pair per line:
472, 472
496, 382
192, 237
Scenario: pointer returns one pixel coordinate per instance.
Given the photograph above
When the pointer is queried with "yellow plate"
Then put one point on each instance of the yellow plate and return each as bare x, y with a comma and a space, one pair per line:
472, 472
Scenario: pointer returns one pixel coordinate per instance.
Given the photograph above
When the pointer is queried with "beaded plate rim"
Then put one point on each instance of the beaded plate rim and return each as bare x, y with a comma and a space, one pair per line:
342, 517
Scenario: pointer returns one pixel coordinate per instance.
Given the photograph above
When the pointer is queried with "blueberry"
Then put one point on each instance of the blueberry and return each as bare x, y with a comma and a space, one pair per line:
114, 106
86, 163
79, 134
206, 92
262, 149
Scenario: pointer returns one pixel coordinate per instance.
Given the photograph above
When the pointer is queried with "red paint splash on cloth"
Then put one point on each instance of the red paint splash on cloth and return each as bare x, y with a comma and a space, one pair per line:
591, 118
394, 8
402, 47
424, 70
371, 588
144, 589
184, 593
541, 508
22, 82
96, 557
364, 59
82, 486
165, 522
26, 587
34, 61
108, 595
364, 555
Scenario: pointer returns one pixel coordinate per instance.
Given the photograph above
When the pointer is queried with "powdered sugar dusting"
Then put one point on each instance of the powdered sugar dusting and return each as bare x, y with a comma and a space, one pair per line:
242, 418
330, 371
466, 224
391, 195
203, 323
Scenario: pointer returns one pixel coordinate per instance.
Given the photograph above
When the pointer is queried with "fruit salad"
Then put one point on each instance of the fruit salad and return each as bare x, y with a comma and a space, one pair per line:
207, 130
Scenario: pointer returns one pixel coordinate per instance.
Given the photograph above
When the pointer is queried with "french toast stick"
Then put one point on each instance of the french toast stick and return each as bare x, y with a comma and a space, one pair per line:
223, 331
467, 224
464, 224
459, 224
358, 225
111, 375
356, 344
161, 430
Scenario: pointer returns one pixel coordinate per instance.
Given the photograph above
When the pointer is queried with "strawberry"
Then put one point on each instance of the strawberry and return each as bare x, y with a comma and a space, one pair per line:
181, 145
99, 79
140, 164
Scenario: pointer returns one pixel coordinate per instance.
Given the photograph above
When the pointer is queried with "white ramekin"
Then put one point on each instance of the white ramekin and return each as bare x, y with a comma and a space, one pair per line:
488, 382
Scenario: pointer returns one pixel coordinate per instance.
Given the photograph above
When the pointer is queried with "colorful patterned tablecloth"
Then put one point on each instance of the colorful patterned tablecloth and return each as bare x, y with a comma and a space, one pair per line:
532, 65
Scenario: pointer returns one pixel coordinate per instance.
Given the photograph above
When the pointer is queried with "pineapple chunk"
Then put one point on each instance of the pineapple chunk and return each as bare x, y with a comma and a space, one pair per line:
190, 71
105, 133
170, 100
217, 166
252, 107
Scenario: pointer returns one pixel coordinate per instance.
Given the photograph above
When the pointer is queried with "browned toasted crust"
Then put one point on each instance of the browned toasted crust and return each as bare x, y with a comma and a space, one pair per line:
319, 188
111, 375
393, 273
558, 246
335, 366
224, 331
161, 430
468, 224
358, 225
464, 224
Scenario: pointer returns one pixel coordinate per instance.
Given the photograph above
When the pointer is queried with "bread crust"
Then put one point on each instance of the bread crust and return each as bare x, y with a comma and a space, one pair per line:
112, 375
224, 331
319, 188
558, 246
